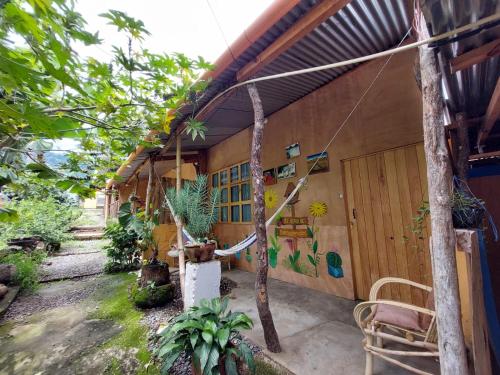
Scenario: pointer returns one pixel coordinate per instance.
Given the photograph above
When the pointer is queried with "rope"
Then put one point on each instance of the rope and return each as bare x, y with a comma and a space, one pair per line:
433, 39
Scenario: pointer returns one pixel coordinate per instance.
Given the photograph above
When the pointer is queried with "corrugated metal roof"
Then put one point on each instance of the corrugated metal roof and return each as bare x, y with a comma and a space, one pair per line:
469, 90
362, 27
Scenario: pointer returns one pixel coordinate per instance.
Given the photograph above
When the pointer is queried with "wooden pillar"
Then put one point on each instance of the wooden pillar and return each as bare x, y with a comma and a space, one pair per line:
463, 147
259, 217
180, 242
149, 190
453, 359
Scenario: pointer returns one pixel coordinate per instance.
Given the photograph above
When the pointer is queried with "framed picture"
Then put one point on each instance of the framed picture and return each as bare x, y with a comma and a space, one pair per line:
286, 171
320, 162
270, 176
292, 151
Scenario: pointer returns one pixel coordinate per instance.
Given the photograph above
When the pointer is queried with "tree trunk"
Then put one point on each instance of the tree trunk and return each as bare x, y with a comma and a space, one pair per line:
149, 189
453, 359
262, 298
463, 147
180, 242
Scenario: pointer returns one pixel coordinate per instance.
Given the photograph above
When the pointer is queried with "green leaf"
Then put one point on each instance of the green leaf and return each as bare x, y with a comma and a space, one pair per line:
310, 232
315, 247
8, 215
193, 338
202, 353
125, 213
246, 354
223, 337
311, 260
208, 337
213, 360
230, 365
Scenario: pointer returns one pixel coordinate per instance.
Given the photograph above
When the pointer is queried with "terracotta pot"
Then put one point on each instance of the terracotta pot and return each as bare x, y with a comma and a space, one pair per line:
200, 253
157, 273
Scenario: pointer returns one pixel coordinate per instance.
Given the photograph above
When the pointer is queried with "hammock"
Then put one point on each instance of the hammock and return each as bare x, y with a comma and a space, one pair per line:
250, 240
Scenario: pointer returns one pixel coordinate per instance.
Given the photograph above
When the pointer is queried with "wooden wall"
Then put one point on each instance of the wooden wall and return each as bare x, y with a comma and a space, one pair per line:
389, 117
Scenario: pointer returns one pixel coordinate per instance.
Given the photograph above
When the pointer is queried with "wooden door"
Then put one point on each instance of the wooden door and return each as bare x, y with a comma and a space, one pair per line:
384, 192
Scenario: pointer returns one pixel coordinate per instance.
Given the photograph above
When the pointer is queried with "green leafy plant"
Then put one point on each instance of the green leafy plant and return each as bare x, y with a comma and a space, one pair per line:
205, 333
122, 251
45, 218
195, 206
26, 268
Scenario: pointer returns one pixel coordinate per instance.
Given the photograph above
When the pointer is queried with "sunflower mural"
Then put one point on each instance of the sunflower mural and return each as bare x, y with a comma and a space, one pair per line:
270, 198
317, 210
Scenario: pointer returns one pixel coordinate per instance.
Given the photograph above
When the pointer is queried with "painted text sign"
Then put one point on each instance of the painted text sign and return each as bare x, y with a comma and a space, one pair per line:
294, 221
296, 233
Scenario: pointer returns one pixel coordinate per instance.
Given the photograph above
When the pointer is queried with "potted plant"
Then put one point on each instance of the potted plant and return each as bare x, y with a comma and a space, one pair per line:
152, 270
195, 206
468, 211
206, 334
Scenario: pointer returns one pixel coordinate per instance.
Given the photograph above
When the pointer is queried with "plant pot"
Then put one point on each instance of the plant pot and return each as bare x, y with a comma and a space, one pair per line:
157, 273
470, 218
200, 253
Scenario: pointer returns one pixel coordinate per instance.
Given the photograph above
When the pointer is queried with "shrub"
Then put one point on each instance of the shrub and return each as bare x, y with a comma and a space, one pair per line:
45, 218
115, 267
204, 333
153, 296
26, 268
123, 248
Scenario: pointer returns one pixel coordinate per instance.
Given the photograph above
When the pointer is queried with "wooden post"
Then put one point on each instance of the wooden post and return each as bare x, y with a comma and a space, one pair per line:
463, 147
149, 189
262, 298
180, 242
453, 359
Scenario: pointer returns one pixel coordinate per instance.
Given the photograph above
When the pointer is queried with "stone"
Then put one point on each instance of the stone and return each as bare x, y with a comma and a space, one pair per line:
7, 273
202, 281
3, 290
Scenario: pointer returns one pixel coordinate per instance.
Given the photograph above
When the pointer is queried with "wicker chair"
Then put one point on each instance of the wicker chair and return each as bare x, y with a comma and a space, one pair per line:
422, 342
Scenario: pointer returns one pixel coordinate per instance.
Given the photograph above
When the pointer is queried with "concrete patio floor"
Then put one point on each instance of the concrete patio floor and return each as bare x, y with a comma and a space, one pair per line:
317, 331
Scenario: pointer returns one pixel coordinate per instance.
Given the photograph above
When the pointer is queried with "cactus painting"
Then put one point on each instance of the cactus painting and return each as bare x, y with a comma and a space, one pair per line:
273, 251
334, 262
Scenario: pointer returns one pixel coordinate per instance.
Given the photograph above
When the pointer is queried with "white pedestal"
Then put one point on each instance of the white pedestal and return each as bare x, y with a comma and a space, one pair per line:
202, 282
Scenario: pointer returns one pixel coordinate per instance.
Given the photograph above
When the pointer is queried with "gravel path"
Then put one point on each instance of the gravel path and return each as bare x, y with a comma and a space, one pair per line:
82, 260
53, 295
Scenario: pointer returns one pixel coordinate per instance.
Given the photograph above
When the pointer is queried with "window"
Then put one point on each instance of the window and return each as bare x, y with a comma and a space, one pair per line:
235, 194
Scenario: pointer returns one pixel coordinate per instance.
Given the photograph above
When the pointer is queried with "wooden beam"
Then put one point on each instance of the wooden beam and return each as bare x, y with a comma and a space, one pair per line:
484, 155
475, 56
492, 115
301, 28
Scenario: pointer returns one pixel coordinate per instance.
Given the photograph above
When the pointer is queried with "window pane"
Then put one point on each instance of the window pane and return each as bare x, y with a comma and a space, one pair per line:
246, 213
245, 192
223, 177
245, 171
216, 213
234, 174
235, 213
223, 214
215, 180
235, 193
223, 195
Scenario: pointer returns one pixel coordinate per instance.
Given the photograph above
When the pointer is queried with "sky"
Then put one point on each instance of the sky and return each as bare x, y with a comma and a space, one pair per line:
186, 26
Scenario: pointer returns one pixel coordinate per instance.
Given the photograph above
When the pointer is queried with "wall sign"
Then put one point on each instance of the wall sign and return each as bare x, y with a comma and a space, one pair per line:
319, 161
292, 151
269, 176
294, 233
287, 220
286, 171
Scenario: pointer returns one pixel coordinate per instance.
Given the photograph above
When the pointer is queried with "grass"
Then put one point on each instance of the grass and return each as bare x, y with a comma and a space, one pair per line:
115, 305
262, 367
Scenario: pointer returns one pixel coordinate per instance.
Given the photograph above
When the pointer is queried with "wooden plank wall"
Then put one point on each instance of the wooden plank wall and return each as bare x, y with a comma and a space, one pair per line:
384, 191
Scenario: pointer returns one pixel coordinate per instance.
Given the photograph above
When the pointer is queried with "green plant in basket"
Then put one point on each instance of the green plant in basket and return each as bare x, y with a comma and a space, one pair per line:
205, 334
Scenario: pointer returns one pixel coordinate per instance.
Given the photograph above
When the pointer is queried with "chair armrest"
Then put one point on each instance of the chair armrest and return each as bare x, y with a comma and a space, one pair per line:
394, 280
